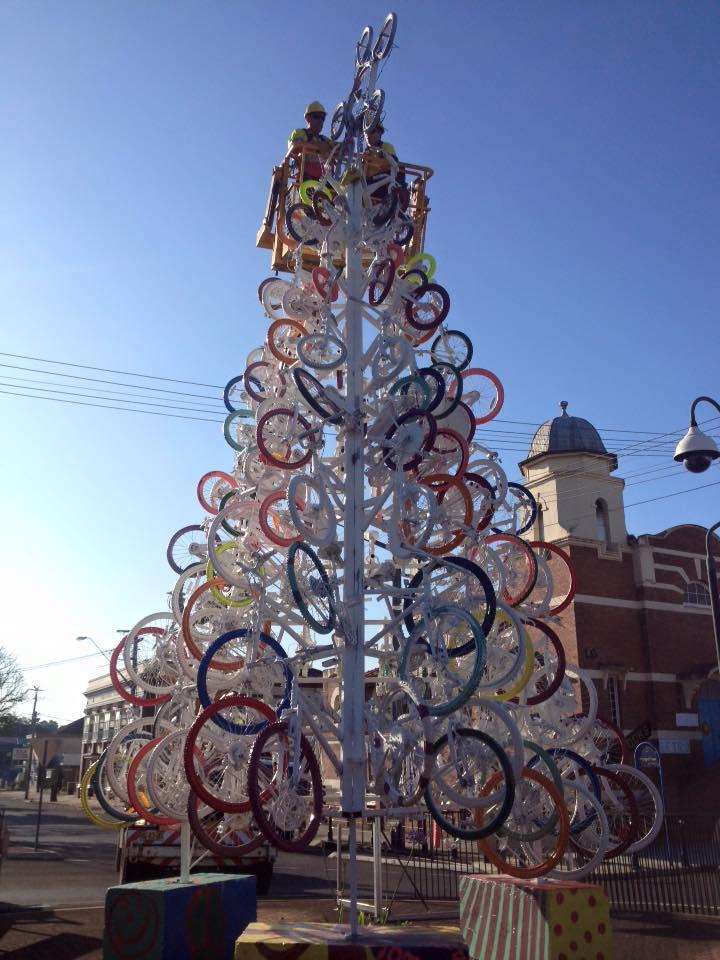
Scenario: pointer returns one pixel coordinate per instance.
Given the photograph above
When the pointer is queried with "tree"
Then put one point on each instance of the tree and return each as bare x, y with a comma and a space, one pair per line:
12, 683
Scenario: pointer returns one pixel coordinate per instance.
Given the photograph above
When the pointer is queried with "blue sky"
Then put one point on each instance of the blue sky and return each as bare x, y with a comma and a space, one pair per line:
574, 217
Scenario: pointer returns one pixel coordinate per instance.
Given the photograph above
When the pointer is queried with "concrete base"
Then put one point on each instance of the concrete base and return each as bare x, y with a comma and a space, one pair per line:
534, 920
329, 941
170, 920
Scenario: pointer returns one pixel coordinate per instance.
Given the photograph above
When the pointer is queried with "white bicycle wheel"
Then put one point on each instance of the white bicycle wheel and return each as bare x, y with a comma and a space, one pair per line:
311, 509
165, 778
151, 659
649, 801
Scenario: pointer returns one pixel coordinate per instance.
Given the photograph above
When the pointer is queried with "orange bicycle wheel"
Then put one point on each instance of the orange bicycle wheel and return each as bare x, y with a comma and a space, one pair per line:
282, 337
562, 826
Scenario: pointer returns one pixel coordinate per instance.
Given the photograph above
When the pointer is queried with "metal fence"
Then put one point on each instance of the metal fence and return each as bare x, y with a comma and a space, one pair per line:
679, 872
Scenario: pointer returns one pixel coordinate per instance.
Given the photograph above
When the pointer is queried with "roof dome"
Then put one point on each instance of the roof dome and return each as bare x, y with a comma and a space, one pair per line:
566, 434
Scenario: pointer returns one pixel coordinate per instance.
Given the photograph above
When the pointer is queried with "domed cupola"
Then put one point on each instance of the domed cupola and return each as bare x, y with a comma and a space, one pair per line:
568, 470
567, 434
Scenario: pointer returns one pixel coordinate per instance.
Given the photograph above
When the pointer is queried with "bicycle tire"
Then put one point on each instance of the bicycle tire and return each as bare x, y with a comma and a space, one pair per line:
549, 688
627, 831
459, 565
135, 795
117, 683
413, 308
316, 522
564, 558
372, 115
327, 624
508, 865
237, 769
363, 48
243, 730
402, 424
523, 495
227, 835
229, 392
321, 359
87, 809
210, 498
298, 218
313, 393
273, 525
272, 817
175, 539
449, 356
101, 792
293, 460
646, 789
382, 48
381, 280
435, 707
489, 825
338, 121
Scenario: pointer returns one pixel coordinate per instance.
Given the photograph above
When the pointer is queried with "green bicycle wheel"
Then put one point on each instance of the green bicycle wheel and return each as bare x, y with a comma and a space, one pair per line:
310, 586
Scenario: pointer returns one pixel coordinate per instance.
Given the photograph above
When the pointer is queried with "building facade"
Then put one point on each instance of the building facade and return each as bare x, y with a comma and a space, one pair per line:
640, 623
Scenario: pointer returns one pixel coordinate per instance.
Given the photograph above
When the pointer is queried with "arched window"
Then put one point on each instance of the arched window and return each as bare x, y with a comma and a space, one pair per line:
602, 523
697, 594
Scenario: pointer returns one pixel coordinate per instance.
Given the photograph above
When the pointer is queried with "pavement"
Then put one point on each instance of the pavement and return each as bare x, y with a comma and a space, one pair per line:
75, 932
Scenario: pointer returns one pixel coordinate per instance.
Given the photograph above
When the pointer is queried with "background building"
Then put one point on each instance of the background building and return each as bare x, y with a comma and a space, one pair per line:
640, 623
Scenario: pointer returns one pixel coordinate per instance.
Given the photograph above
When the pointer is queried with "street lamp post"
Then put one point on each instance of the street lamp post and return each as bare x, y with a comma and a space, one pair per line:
696, 451
96, 645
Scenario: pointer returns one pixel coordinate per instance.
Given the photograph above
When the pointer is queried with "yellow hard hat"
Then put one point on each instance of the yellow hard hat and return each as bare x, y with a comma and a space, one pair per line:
315, 107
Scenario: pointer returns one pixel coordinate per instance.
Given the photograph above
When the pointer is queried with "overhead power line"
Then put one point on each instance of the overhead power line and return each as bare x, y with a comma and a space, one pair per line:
123, 373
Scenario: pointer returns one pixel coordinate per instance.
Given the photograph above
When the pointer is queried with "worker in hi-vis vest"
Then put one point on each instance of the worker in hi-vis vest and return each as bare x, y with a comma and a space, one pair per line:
315, 114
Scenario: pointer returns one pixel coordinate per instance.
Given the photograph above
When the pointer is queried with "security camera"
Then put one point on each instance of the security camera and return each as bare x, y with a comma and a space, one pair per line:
696, 450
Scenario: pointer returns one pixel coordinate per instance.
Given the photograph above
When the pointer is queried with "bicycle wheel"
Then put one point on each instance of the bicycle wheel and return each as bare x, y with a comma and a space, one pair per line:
322, 351
483, 393
212, 487
150, 659
186, 547
216, 762
323, 280
428, 308
121, 750
622, 813
283, 437
314, 394
519, 563
233, 397
536, 798
262, 673
517, 512
453, 383
381, 280
114, 806
452, 580
285, 788
120, 683
363, 48
283, 337
649, 803
408, 438
311, 510
338, 121
548, 664
454, 347
276, 520
93, 815
301, 224
465, 764
165, 779
560, 572
431, 667
137, 787
227, 835
263, 380
454, 514
582, 857
385, 39
373, 111
311, 588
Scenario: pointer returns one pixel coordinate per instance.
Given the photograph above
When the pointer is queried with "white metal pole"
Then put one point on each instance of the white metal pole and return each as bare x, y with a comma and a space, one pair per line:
353, 662
352, 871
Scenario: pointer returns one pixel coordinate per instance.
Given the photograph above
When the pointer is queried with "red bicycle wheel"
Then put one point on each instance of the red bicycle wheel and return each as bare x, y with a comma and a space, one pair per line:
286, 797
117, 681
562, 572
212, 487
216, 763
137, 790
549, 666
283, 437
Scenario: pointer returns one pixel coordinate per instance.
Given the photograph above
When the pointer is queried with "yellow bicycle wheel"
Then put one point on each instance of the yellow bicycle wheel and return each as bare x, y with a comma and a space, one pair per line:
100, 821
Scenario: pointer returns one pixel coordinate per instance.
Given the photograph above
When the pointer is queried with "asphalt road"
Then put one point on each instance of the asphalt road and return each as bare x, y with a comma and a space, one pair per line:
76, 862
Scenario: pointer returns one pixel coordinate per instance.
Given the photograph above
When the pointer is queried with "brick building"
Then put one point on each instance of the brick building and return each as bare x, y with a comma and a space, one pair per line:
640, 623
